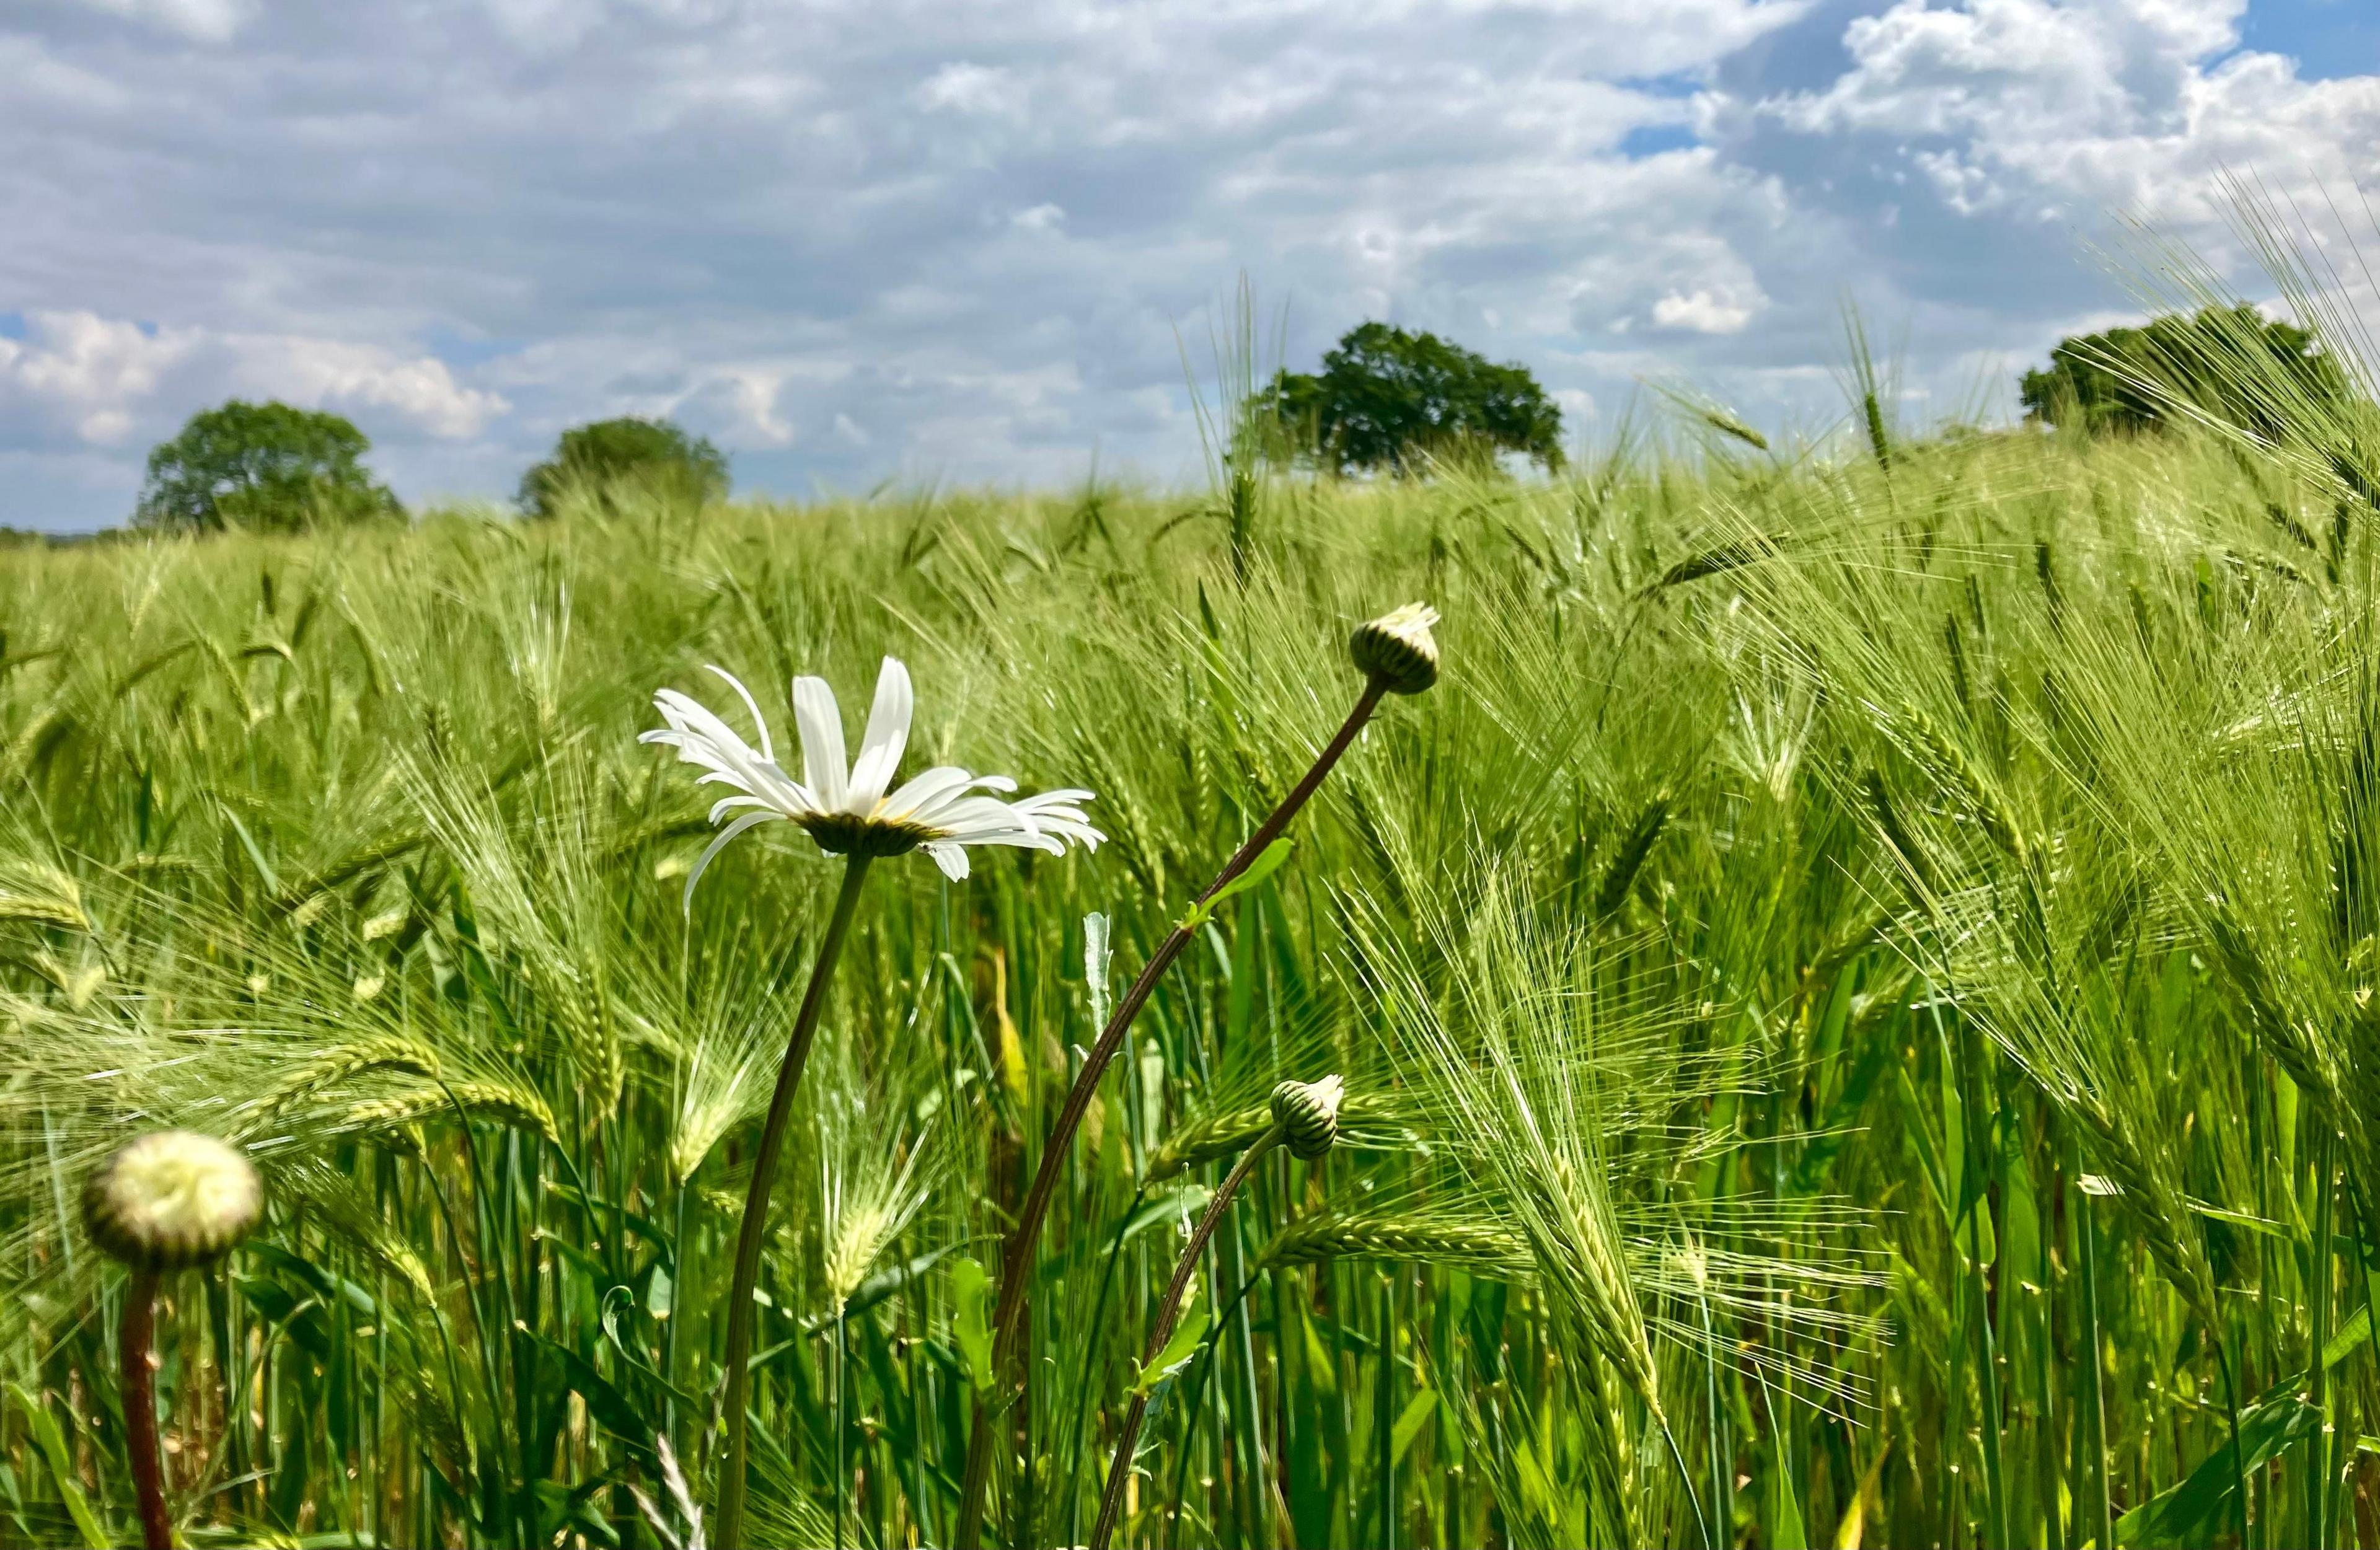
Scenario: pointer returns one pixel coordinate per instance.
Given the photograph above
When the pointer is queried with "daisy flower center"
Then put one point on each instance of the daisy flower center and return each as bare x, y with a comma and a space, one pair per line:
864, 834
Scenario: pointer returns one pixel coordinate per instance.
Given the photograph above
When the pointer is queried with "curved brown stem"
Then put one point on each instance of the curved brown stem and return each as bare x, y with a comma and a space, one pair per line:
1016, 1258
1112, 1502
137, 1385
753, 1233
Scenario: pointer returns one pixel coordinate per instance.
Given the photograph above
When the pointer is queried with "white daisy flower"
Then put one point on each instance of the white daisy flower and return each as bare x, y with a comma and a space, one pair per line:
848, 811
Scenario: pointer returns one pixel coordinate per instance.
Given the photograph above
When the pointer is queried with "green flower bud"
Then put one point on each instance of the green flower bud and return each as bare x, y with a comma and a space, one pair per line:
172, 1199
1397, 649
1307, 1113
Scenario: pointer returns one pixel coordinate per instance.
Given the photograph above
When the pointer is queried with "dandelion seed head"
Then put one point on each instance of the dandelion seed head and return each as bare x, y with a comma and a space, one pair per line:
172, 1199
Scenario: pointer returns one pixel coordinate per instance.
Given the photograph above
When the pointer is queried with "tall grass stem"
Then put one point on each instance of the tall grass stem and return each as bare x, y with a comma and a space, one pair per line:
1161, 1330
753, 1233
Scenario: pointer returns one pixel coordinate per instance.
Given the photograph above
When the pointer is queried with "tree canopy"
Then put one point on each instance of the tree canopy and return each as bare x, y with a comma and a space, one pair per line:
1388, 399
653, 455
2230, 363
267, 467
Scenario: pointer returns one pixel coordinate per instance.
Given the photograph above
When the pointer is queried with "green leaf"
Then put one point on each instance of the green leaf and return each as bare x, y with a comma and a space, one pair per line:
660, 1292
2351, 1333
53, 1444
1415, 1415
1786, 1529
1263, 866
1929, 1154
329, 1287
560, 1507
1841, 1121
602, 1213
2242, 1220
2184, 1514
604, 1401
617, 1299
1786, 1532
879, 1286
255, 851
1188, 1331
970, 1289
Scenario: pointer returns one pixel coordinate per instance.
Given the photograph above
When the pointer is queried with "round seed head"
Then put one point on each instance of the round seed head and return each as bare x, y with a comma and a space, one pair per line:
1397, 649
1307, 1113
171, 1199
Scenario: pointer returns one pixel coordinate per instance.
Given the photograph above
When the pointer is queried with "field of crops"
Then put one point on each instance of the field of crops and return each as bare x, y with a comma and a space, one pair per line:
1855, 994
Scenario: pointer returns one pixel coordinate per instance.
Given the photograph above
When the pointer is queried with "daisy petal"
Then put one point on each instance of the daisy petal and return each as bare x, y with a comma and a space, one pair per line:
702, 739
727, 804
924, 794
979, 820
887, 735
749, 820
820, 721
1058, 813
759, 721
951, 858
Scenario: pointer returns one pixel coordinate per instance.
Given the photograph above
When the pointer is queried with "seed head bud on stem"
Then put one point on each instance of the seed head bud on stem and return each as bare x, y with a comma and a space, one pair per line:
162, 1203
1307, 1113
1305, 1120
1397, 649
1396, 654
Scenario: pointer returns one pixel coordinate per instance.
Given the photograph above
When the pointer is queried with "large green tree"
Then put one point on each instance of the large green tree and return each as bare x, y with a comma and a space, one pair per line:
2229, 363
652, 455
267, 467
1390, 399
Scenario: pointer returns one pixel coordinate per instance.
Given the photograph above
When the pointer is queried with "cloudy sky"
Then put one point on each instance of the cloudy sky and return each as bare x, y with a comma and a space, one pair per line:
959, 239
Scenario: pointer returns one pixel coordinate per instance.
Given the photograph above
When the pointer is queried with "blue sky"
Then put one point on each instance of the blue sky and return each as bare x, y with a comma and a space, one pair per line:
860, 239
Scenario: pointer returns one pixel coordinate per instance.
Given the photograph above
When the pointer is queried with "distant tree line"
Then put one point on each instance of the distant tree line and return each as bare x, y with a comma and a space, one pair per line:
1386, 402
274, 469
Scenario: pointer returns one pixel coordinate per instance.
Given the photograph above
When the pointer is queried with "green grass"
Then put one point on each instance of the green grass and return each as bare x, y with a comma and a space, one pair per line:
1857, 989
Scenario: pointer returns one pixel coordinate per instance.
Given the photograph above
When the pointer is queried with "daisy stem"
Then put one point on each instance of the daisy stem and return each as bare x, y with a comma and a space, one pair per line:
137, 1383
1015, 1265
753, 1231
1111, 1503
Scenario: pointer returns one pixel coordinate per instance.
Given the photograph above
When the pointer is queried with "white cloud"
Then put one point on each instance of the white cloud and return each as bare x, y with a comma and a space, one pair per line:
36, 75
751, 394
88, 371
419, 389
2069, 107
961, 87
99, 379
209, 22
546, 24
1701, 313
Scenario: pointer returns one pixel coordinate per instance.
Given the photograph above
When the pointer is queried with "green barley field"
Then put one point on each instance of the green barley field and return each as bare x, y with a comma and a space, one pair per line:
1855, 994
